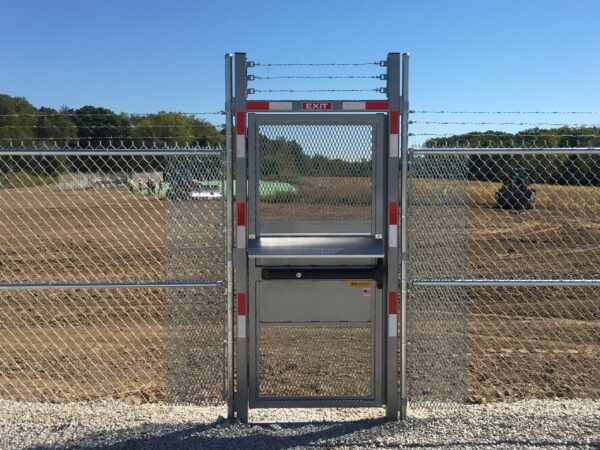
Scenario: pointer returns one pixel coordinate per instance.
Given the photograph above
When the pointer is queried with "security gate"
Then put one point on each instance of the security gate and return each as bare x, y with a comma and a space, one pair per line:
316, 260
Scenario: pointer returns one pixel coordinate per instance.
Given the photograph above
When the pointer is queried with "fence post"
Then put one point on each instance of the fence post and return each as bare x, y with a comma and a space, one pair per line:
404, 237
393, 92
229, 207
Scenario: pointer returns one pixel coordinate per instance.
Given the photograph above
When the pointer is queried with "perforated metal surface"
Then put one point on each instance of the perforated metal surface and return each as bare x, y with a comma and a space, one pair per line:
315, 172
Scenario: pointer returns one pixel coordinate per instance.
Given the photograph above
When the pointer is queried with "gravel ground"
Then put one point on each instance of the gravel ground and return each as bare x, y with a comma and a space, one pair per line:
525, 424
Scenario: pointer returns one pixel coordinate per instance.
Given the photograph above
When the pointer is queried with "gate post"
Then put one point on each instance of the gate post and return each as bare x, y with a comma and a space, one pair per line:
229, 230
404, 238
240, 250
393, 92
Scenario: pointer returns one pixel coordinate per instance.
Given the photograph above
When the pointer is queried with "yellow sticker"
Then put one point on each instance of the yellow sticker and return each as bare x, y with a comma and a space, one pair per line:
359, 284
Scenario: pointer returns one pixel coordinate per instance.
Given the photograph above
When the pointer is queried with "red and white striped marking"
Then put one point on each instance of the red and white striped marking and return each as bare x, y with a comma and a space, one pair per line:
269, 106
393, 314
240, 131
393, 225
241, 225
394, 128
241, 312
367, 105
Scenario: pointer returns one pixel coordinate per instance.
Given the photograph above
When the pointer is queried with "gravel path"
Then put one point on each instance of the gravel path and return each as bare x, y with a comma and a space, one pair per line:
526, 424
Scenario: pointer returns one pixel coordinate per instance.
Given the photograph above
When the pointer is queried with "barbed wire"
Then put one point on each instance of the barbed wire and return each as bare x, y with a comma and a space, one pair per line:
315, 77
504, 123
220, 113
130, 126
376, 63
95, 138
314, 90
500, 112
506, 135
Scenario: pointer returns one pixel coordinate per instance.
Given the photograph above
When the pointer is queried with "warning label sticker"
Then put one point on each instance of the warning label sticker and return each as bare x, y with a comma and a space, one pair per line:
359, 284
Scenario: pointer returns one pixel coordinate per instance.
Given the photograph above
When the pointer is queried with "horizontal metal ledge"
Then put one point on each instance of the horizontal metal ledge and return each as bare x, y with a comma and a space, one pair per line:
507, 151
112, 285
502, 282
361, 247
110, 152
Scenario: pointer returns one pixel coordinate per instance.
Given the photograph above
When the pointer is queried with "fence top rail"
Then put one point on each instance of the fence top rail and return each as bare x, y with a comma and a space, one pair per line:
109, 152
113, 285
505, 151
504, 282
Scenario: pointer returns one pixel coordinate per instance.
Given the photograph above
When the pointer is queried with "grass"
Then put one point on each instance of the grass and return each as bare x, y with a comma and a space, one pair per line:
23, 179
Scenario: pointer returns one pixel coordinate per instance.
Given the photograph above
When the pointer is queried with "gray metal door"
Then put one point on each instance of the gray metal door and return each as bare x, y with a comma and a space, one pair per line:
317, 183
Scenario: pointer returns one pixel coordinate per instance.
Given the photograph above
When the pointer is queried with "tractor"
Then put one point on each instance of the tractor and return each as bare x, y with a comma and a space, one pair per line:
516, 192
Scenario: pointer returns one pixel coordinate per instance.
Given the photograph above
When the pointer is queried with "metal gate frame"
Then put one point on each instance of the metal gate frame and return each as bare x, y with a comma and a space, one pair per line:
377, 122
396, 107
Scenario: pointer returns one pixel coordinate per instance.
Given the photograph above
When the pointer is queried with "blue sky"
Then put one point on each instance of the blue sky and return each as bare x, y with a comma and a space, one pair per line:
145, 56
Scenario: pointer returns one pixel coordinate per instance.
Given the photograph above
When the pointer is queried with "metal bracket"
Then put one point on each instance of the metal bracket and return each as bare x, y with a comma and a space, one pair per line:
250, 78
383, 76
382, 90
382, 63
250, 64
251, 91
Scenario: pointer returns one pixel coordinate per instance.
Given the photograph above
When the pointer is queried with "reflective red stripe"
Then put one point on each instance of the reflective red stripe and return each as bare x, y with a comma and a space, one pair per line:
240, 123
241, 306
241, 214
393, 302
257, 106
393, 213
376, 105
393, 122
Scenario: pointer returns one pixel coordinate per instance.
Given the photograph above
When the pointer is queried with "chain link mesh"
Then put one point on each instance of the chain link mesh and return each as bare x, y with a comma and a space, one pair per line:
315, 172
514, 216
107, 217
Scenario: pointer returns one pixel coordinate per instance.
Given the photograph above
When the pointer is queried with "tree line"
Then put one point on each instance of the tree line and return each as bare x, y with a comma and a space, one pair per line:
567, 169
22, 125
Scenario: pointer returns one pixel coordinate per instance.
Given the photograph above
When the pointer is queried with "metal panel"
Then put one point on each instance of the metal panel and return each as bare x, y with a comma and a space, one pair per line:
324, 301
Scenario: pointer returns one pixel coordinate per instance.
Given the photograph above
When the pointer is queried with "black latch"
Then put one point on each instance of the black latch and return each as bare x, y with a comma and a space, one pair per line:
325, 273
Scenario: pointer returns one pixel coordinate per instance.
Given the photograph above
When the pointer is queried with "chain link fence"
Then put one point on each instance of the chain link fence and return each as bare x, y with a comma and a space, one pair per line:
113, 272
504, 256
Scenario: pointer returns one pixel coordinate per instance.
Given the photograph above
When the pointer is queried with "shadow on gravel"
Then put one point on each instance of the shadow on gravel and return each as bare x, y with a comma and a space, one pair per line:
361, 434
228, 435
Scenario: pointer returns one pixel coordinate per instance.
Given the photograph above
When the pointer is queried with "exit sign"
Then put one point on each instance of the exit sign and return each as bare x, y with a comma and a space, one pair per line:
317, 106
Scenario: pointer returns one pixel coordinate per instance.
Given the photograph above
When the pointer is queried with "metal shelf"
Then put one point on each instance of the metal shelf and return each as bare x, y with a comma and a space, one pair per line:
316, 247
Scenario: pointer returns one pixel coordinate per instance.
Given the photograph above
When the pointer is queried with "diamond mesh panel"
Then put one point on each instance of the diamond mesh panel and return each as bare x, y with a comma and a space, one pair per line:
437, 317
305, 361
315, 172
195, 318
111, 218
518, 217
